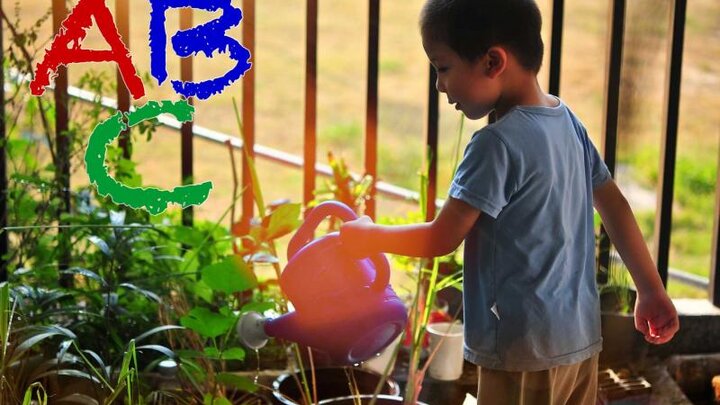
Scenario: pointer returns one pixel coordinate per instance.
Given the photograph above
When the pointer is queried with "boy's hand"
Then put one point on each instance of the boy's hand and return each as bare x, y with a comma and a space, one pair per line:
656, 317
355, 237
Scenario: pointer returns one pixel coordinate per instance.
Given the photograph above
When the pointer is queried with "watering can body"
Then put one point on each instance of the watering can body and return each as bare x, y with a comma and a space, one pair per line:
343, 306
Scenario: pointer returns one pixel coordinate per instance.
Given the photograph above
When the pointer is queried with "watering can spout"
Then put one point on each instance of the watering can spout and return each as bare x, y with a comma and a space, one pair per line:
251, 330
254, 330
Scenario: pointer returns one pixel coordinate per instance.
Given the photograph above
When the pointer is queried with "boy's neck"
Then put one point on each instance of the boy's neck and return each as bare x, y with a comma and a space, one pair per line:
522, 88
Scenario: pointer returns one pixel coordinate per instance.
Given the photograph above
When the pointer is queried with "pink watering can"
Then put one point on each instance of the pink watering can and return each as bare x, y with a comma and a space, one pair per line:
343, 306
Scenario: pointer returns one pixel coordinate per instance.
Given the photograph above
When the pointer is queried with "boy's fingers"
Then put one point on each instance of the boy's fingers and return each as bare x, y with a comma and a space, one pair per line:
664, 333
670, 327
641, 324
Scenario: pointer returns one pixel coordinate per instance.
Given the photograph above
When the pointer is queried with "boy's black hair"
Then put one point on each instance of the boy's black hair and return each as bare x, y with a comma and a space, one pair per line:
471, 27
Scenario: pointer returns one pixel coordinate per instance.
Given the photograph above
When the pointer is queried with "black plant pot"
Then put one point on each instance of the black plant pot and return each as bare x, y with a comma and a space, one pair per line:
366, 399
332, 383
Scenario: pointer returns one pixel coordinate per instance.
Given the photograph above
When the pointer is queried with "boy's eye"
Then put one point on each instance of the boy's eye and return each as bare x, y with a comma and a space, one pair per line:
441, 69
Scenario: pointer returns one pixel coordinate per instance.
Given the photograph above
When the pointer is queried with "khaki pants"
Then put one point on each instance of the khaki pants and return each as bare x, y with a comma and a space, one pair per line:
575, 384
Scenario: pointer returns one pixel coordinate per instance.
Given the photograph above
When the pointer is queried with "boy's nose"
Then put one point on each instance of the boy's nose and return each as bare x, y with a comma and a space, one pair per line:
440, 86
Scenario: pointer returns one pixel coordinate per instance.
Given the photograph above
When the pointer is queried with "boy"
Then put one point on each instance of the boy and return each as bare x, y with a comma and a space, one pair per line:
522, 200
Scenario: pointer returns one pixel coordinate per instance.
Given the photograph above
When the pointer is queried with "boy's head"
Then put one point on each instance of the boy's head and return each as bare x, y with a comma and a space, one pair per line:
471, 27
470, 42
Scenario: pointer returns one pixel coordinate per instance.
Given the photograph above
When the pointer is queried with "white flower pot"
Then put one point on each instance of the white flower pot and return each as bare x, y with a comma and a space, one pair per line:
447, 363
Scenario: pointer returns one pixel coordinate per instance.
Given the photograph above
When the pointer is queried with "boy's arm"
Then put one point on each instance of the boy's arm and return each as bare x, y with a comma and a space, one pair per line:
362, 237
655, 314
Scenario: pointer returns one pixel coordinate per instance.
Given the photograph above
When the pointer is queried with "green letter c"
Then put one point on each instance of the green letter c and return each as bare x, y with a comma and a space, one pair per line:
154, 200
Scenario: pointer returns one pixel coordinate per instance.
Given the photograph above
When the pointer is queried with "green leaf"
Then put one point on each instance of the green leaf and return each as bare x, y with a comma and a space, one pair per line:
97, 359
188, 236
146, 293
207, 323
189, 354
209, 399
236, 381
85, 272
212, 353
259, 307
202, 290
41, 333
157, 330
158, 348
42, 397
283, 220
101, 244
5, 314
229, 276
233, 353
69, 373
27, 209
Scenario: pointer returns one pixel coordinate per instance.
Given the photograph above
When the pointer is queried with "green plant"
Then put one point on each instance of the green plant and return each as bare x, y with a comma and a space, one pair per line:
614, 285
225, 288
428, 283
22, 361
617, 294
36, 201
343, 187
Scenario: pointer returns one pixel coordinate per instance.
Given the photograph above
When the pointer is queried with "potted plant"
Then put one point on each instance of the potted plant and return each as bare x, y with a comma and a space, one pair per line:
622, 343
333, 382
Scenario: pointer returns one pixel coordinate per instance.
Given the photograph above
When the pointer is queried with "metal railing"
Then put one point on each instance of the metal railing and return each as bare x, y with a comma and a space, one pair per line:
311, 168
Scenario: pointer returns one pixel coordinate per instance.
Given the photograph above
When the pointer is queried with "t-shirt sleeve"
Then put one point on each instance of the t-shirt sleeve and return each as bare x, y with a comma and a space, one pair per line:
598, 169
484, 179
600, 172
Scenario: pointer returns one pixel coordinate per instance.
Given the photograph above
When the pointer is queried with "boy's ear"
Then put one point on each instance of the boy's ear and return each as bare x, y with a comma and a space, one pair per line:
495, 61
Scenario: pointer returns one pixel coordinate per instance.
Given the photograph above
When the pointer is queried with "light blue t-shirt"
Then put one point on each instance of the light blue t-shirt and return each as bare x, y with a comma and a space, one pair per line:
530, 295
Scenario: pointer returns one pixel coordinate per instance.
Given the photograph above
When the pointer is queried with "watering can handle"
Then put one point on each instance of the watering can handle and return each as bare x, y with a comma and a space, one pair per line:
305, 233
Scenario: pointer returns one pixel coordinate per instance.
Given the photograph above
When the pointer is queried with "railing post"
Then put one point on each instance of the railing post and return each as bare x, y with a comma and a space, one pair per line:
4, 241
431, 145
371, 144
186, 130
248, 112
310, 138
612, 104
122, 19
62, 144
714, 287
663, 217
556, 46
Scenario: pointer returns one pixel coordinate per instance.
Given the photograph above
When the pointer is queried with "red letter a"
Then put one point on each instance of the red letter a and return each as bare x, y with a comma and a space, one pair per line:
73, 29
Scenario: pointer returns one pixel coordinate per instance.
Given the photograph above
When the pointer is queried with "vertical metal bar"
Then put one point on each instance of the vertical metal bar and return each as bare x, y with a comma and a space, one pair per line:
62, 142
310, 139
431, 145
612, 83
122, 19
4, 241
612, 98
371, 107
556, 46
663, 217
714, 292
186, 130
248, 110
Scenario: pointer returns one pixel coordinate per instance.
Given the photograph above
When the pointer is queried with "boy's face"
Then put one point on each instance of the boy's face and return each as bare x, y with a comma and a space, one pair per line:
468, 85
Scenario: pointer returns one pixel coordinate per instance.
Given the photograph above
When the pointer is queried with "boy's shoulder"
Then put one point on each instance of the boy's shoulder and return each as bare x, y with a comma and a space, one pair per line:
521, 122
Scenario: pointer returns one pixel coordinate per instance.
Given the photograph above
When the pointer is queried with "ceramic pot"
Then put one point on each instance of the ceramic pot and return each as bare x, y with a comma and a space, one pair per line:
332, 383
